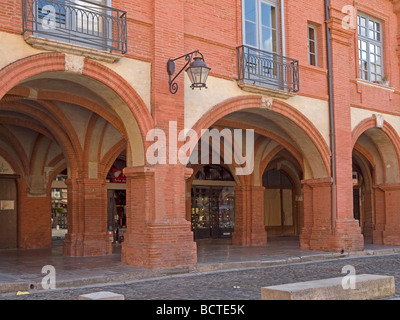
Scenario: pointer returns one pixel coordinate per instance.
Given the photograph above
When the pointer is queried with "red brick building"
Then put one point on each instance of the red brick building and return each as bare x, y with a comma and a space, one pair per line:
83, 83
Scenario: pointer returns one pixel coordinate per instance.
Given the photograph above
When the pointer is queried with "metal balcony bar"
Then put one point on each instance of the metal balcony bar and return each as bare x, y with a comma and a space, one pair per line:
268, 69
80, 22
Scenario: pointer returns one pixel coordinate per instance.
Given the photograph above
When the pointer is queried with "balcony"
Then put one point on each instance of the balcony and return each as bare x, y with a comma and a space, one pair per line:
267, 73
78, 23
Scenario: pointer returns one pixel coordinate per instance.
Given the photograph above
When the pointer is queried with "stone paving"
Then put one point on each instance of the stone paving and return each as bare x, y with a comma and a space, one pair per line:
223, 272
239, 284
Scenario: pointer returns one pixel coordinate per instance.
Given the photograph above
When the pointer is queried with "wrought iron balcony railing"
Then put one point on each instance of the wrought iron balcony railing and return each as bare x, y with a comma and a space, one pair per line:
78, 22
267, 69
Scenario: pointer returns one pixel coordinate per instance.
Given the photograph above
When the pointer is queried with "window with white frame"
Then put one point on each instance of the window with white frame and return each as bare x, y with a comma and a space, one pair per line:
370, 48
312, 46
260, 19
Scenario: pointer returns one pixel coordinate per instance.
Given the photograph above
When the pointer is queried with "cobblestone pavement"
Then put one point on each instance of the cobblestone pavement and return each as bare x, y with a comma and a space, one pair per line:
244, 284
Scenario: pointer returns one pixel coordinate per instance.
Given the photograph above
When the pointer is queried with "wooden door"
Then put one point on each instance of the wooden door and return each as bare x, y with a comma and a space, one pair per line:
8, 214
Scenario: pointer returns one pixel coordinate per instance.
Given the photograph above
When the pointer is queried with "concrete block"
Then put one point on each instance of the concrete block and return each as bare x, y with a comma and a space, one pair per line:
103, 295
367, 287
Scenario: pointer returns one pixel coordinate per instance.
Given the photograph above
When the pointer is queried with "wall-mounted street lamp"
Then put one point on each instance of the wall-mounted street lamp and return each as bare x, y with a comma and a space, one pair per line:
197, 71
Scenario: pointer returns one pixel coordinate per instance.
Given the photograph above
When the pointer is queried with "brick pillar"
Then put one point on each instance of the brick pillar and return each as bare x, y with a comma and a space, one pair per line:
317, 233
158, 235
387, 220
34, 216
317, 214
347, 233
249, 211
380, 219
87, 218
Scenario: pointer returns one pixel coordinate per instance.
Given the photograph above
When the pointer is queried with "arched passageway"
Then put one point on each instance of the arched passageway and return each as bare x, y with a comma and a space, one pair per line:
376, 180
284, 142
73, 119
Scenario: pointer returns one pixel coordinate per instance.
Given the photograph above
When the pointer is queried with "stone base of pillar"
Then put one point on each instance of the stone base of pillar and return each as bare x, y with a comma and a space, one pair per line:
160, 245
314, 238
391, 237
347, 237
87, 245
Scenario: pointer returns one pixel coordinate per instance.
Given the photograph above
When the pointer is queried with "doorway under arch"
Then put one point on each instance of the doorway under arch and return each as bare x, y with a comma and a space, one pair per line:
212, 212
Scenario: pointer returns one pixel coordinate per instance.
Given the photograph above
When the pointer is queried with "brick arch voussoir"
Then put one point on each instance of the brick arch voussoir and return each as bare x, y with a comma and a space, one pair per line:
17, 71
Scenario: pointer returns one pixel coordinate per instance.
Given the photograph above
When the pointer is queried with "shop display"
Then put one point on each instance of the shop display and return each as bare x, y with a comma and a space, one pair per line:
59, 209
213, 212
117, 214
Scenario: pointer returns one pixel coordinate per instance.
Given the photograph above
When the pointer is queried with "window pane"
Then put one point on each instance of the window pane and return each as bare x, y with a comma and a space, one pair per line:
364, 45
373, 78
371, 34
363, 55
266, 15
312, 60
371, 25
312, 47
267, 41
372, 58
250, 10
372, 48
250, 34
311, 33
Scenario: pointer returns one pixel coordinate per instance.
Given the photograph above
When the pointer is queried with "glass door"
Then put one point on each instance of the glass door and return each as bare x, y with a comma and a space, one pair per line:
213, 212
79, 22
261, 35
91, 24
52, 18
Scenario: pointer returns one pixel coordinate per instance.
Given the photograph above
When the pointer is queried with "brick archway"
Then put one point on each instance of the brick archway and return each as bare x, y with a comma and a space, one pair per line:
279, 110
287, 129
378, 146
387, 143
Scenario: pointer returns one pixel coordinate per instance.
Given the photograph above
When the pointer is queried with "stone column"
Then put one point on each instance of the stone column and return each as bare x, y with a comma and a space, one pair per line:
249, 211
158, 235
